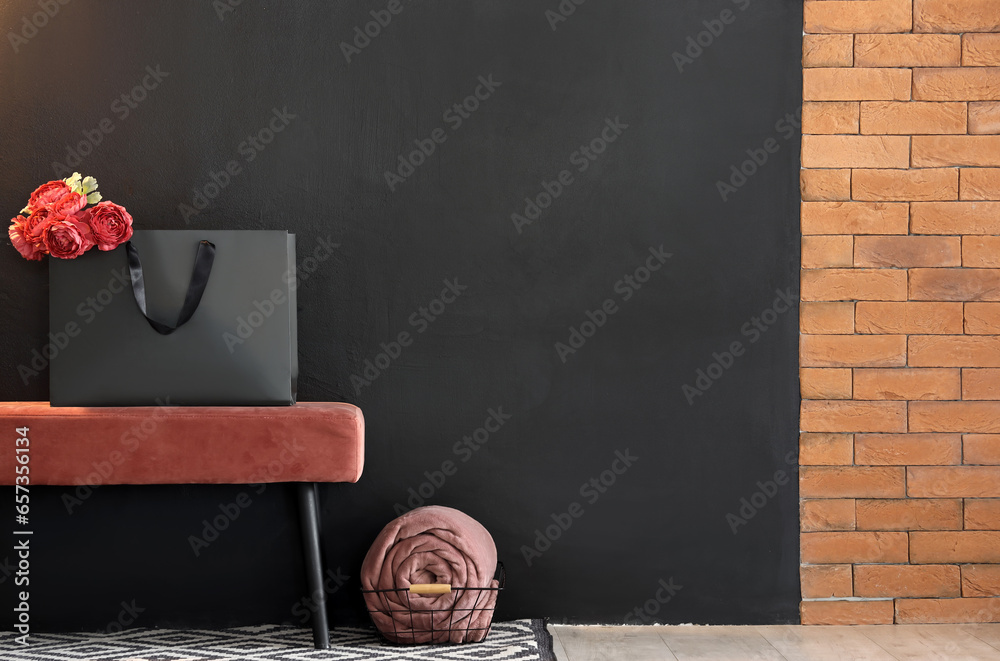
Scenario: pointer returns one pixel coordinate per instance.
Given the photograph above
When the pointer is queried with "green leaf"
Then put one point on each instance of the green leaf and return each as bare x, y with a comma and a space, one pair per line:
74, 183
93, 198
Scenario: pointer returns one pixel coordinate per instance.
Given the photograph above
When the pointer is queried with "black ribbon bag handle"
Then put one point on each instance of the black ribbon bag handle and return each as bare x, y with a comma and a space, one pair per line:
199, 279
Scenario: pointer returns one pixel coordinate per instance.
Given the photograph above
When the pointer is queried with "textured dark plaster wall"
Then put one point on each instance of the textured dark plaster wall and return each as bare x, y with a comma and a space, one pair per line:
557, 330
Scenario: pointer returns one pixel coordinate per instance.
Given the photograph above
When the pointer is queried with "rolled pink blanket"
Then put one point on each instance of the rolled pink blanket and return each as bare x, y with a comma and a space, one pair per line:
431, 545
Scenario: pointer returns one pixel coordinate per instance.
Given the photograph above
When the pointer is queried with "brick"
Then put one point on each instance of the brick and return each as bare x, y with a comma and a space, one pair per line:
825, 383
854, 218
955, 217
857, 547
981, 252
824, 581
859, 151
905, 185
907, 50
954, 16
981, 449
826, 318
908, 318
909, 514
826, 514
853, 284
980, 50
981, 383
962, 417
953, 481
935, 151
907, 581
962, 84
846, 612
982, 318
954, 284
837, 416
984, 117
952, 547
830, 117
852, 350
826, 449
852, 482
946, 611
907, 251
848, 16
908, 449
982, 514
906, 384
980, 581
825, 185
827, 50
979, 184
826, 251
912, 117
857, 84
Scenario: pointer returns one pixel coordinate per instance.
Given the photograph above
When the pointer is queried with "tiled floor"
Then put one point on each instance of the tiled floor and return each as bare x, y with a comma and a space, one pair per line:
945, 642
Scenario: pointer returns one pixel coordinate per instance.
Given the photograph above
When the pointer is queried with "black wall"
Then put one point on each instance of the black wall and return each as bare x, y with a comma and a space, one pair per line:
225, 67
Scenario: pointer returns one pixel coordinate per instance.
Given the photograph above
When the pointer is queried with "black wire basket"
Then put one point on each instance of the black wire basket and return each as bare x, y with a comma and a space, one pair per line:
449, 631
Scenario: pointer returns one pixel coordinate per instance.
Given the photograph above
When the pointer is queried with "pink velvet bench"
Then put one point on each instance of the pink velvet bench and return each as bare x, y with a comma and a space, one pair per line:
305, 443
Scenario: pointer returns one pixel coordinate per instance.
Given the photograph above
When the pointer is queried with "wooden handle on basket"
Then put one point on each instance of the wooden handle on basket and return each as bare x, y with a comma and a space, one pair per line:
430, 588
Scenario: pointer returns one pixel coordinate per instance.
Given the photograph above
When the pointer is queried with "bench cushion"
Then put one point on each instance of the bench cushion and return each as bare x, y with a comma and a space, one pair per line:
307, 442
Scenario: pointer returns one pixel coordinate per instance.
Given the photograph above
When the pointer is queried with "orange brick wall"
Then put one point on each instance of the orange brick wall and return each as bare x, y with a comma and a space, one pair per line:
900, 316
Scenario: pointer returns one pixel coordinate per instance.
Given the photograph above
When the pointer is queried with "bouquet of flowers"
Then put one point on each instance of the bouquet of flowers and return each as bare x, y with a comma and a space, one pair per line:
57, 221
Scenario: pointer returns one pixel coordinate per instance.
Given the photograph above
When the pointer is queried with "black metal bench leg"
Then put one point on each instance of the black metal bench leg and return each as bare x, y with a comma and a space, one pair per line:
309, 516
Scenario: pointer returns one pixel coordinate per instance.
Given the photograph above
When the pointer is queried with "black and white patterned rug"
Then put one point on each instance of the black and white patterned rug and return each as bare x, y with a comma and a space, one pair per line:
521, 639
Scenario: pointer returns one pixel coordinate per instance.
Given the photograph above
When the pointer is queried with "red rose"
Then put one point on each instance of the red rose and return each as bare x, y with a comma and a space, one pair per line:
28, 247
34, 223
111, 224
47, 194
66, 237
69, 203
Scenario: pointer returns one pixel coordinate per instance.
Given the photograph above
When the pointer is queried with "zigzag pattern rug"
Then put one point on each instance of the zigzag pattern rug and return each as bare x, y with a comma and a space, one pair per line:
521, 639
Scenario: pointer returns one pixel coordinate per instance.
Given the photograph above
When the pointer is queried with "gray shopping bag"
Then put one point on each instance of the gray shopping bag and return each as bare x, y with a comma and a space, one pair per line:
186, 318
